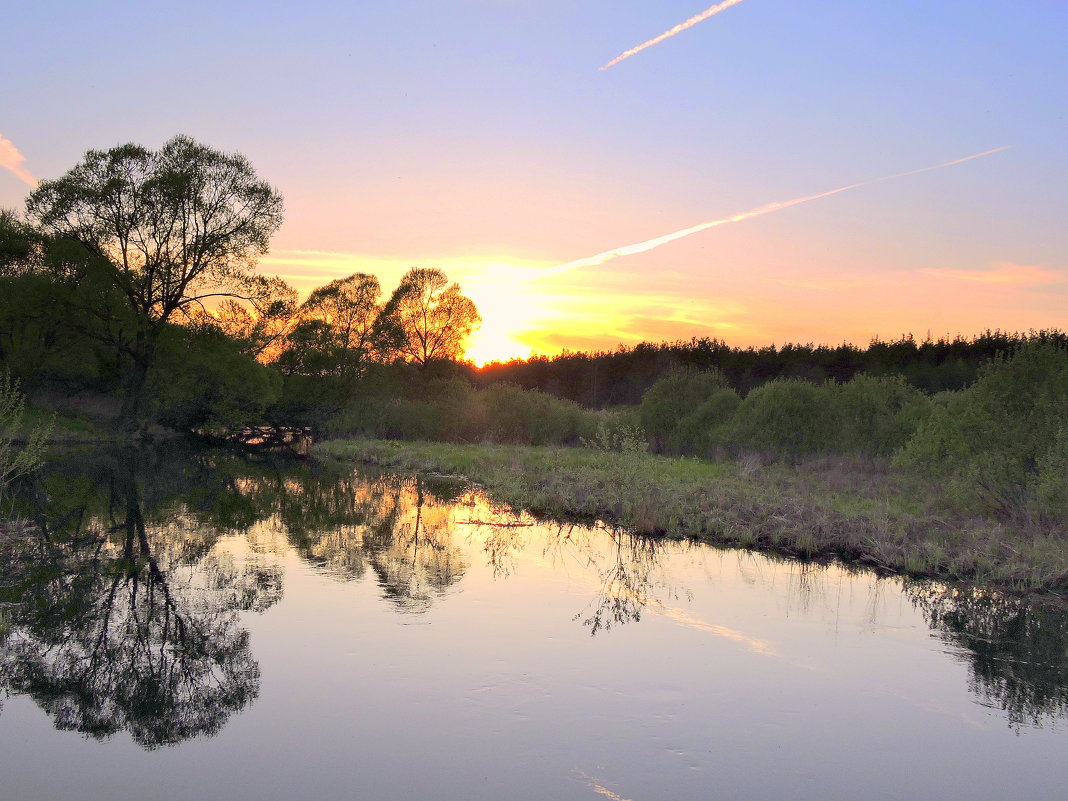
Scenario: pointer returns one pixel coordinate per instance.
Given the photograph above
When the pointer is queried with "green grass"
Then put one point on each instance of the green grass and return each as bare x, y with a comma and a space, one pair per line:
856, 510
64, 428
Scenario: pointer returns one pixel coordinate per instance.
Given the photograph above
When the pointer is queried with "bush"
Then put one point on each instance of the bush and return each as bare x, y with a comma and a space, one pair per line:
20, 452
787, 417
673, 397
707, 428
877, 416
618, 430
1000, 443
449, 409
529, 417
201, 380
1052, 479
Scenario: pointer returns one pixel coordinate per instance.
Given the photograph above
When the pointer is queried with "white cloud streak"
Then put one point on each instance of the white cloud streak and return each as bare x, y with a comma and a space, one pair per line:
759, 211
682, 26
11, 159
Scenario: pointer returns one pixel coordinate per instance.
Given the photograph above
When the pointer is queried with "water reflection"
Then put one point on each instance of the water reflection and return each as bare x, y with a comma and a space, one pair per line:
630, 575
1017, 651
121, 606
399, 528
124, 617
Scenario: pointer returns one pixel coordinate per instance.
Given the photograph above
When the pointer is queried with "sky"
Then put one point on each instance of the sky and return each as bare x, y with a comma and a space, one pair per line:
490, 138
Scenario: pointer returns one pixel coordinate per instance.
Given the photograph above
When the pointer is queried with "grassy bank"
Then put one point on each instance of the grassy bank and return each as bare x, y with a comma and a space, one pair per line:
66, 428
857, 510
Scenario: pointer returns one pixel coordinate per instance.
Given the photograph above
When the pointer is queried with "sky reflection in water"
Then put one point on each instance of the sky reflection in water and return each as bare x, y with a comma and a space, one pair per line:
191, 624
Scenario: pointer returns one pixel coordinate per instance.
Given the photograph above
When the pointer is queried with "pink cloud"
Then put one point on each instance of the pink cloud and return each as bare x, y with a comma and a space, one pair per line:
13, 161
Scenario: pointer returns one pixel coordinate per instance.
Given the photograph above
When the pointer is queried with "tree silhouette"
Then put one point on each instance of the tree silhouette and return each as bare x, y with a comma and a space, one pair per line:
427, 318
176, 226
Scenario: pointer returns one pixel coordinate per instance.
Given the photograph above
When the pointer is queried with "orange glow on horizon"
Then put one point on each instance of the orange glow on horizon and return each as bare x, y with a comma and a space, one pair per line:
532, 308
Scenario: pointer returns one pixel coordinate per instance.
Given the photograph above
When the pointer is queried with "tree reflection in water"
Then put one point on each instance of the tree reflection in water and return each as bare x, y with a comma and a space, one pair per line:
399, 527
1017, 650
124, 616
629, 569
120, 609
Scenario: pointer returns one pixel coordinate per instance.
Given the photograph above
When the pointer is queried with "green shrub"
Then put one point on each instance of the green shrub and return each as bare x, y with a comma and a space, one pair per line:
618, 430
201, 380
528, 417
787, 417
1052, 479
673, 397
1000, 444
877, 416
707, 428
449, 409
20, 452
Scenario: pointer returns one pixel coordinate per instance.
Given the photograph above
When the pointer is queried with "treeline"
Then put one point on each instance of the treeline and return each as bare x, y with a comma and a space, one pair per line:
130, 281
621, 377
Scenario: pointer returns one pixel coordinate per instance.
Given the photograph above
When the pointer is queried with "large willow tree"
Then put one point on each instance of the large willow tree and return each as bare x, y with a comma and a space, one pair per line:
176, 226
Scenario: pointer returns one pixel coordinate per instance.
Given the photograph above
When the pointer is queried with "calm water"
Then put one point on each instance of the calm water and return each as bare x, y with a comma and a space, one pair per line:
194, 625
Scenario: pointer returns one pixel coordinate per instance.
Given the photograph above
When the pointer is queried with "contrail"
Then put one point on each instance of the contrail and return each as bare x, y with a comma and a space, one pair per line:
759, 211
709, 12
13, 160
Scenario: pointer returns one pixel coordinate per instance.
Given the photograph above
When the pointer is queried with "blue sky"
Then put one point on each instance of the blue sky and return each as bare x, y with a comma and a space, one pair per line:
480, 135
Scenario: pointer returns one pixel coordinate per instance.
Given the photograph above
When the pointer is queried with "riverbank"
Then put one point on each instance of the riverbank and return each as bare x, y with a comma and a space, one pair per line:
860, 512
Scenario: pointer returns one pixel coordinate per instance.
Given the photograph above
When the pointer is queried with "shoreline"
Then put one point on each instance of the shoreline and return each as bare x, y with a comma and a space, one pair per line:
859, 512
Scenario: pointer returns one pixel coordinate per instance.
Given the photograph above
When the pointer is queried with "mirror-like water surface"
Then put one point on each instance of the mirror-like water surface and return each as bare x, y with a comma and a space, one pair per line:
191, 624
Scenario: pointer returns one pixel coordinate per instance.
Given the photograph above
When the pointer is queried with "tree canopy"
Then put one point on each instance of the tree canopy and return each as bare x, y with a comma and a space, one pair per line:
176, 226
429, 318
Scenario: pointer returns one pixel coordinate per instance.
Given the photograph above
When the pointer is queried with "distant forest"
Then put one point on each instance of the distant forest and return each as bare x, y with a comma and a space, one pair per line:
621, 377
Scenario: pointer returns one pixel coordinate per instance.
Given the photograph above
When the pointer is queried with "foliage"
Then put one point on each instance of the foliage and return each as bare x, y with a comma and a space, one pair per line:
672, 398
20, 244
623, 375
344, 316
1000, 443
1051, 488
518, 416
175, 226
706, 430
618, 430
201, 380
259, 324
394, 403
20, 452
427, 318
788, 416
876, 415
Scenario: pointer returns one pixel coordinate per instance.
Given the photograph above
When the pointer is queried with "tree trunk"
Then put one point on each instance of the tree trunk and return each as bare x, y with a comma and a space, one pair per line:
133, 403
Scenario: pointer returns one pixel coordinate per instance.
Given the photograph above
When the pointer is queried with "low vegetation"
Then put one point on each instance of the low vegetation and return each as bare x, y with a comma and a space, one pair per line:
969, 485
856, 510
22, 447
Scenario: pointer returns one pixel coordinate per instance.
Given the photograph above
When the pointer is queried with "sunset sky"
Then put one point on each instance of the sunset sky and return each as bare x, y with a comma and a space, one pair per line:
482, 137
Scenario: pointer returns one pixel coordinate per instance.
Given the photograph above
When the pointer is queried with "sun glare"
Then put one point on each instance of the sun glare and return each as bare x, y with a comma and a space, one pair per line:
509, 309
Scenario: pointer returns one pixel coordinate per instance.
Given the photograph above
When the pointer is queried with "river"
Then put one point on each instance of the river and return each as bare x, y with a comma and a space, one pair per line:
184, 623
